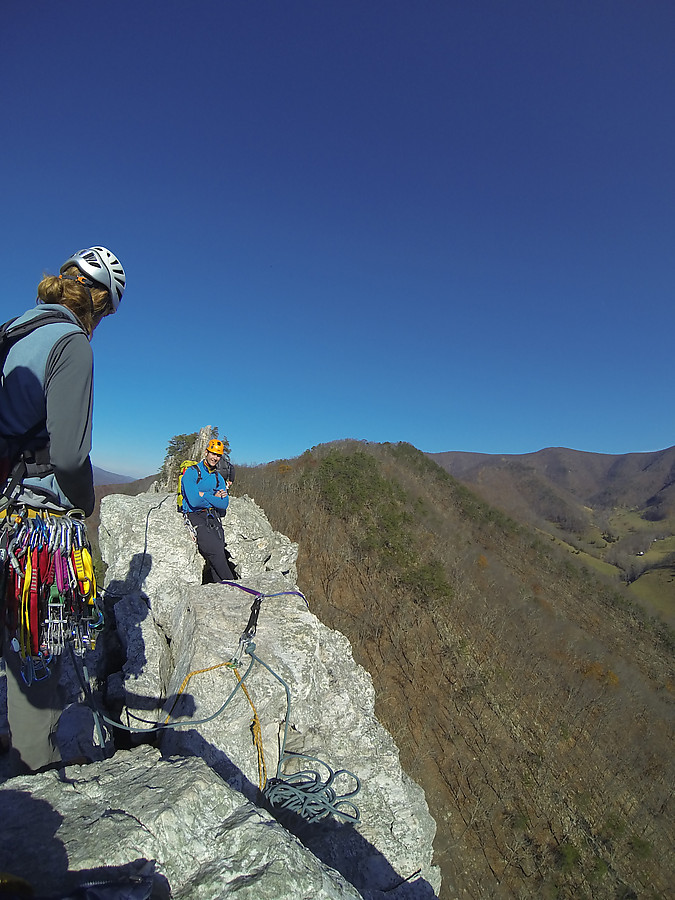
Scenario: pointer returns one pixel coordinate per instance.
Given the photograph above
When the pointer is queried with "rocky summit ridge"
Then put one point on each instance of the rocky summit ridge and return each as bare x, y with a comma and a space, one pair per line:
200, 736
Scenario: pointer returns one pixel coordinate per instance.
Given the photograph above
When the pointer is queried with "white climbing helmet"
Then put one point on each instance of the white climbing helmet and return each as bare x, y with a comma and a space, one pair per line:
103, 267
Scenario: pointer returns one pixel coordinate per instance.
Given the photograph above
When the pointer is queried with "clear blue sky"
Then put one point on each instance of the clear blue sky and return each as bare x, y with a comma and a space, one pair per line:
439, 221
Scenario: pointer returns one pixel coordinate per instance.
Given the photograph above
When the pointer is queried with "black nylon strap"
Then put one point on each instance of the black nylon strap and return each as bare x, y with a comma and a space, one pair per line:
8, 337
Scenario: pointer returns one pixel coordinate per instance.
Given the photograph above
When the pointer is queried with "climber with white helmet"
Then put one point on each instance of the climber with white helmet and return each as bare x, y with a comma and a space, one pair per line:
46, 388
205, 501
46, 383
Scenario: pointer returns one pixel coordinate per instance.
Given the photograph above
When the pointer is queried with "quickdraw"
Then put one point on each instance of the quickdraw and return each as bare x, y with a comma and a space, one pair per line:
50, 588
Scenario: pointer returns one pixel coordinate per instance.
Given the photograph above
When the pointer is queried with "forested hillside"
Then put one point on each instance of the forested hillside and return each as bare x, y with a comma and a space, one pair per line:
532, 702
615, 511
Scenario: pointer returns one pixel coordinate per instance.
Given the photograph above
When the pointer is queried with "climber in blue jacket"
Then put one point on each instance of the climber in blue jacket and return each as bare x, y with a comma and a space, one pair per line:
205, 501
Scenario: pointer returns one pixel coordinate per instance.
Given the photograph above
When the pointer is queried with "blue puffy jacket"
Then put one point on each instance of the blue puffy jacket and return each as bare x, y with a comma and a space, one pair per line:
199, 486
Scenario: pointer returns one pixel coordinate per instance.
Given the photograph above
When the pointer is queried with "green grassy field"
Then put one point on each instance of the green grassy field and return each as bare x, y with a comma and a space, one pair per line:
656, 591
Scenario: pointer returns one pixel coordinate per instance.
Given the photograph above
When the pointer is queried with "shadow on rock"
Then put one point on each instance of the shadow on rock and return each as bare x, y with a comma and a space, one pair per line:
129, 593
337, 844
26, 822
34, 862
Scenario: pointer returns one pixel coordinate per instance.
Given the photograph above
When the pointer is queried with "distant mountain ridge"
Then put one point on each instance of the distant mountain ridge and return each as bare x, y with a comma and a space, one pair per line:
618, 512
595, 479
101, 476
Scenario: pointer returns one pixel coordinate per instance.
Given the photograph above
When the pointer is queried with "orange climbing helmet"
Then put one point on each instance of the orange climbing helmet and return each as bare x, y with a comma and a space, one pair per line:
215, 446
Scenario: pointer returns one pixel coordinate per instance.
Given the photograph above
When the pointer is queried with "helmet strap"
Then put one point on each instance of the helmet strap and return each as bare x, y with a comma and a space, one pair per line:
85, 282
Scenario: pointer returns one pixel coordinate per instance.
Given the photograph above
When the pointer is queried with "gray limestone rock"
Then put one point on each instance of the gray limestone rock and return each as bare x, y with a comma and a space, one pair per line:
294, 679
206, 839
167, 478
252, 543
164, 550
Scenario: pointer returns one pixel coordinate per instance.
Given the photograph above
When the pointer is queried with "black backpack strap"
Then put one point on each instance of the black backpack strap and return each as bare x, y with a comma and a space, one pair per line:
9, 335
16, 476
6, 341
19, 468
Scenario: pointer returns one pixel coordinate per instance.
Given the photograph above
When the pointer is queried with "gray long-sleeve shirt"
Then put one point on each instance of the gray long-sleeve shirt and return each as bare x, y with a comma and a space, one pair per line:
48, 376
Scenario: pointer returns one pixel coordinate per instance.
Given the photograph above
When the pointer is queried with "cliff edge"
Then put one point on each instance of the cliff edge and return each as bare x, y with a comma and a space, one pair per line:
337, 818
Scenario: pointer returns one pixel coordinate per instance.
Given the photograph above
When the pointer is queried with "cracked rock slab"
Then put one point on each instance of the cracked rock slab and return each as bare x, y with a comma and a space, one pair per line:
207, 840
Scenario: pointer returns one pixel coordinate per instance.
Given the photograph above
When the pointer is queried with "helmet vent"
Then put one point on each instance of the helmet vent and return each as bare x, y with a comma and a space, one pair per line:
92, 259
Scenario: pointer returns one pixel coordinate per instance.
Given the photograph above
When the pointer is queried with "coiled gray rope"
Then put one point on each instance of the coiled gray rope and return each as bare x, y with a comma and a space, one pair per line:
304, 793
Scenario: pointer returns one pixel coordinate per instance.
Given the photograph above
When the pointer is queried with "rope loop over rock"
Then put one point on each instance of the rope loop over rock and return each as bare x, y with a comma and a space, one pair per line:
306, 795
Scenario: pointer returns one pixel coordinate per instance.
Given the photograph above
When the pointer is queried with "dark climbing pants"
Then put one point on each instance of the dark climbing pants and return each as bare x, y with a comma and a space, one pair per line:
33, 714
211, 544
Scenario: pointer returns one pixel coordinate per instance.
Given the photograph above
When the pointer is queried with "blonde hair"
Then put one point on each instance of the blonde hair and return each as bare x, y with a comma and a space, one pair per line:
90, 305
